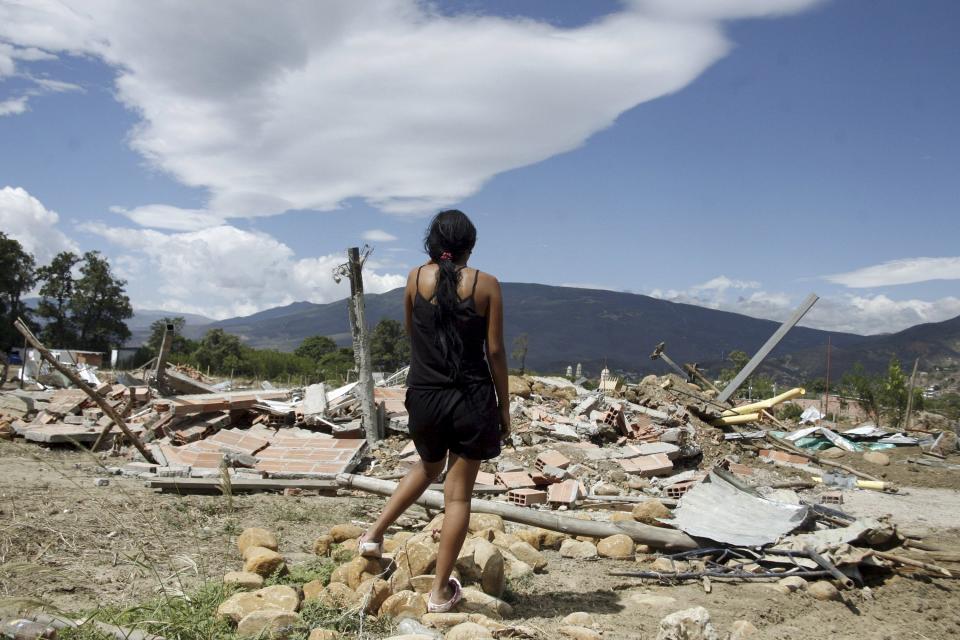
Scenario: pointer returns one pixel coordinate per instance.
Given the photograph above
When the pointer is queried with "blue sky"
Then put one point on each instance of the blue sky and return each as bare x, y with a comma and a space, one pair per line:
698, 151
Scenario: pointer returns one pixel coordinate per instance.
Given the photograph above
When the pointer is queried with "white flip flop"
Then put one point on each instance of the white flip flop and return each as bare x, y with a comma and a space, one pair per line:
454, 600
368, 549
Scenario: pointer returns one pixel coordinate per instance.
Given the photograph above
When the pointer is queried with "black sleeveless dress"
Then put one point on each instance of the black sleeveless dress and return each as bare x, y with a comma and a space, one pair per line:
460, 414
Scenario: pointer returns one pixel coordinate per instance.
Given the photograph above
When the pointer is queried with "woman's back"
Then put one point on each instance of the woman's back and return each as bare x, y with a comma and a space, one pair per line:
429, 368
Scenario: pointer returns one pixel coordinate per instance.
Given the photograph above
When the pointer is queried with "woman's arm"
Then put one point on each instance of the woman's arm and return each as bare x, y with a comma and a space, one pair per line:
408, 296
497, 355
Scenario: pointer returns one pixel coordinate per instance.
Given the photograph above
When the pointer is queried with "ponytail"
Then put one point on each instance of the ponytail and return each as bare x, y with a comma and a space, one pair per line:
449, 237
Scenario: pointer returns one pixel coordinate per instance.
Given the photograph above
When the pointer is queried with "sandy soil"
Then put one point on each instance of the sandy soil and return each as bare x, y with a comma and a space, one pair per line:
74, 545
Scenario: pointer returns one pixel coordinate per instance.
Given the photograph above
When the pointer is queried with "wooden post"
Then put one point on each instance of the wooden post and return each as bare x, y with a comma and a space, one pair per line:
161, 368
913, 379
361, 346
78, 381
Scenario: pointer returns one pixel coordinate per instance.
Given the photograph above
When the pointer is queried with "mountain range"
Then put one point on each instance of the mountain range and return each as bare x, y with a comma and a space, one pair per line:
568, 325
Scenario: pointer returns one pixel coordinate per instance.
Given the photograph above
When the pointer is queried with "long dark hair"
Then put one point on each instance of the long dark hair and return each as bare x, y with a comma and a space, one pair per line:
449, 237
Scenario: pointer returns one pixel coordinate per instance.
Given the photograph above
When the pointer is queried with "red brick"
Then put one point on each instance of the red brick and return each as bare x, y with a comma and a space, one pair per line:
515, 480
484, 478
566, 492
739, 469
676, 491
552, 458
782, 456
526, 497
657, 464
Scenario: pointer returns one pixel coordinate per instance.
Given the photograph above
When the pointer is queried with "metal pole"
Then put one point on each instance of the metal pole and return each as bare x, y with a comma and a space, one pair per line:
361, 346
769, 346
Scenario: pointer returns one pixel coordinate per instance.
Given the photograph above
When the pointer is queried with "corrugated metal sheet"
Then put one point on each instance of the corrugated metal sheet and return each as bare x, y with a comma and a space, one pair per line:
718, 510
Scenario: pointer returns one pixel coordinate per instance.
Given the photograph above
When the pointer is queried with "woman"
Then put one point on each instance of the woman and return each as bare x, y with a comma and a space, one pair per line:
457, 400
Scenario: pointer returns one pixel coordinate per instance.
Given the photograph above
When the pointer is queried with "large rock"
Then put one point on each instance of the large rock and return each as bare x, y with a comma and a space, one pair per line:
648, 512
481, 561
323, 545
332, 596
579, 633
877, 458
579, 619
481, 521
404, 604
343, 532
793, 583
468, 631
356, 571
689, 624
515, 568
476, 601
256, 537
524, 552
243, 579
618, 546
417, 557
268, 623
240, 605
578, 549
444, 620
519, 387
263, 561
532, 537
324, 634
551, 539
371, 595
741, 630
823, 590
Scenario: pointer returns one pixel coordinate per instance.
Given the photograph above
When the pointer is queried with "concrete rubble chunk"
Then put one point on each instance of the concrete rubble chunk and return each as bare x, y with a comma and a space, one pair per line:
689, 624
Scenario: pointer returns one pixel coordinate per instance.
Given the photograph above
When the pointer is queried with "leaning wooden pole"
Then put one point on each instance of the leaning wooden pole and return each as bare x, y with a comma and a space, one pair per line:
78, 381
656, 537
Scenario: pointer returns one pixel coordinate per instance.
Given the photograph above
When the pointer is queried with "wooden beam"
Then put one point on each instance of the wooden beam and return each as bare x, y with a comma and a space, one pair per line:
238, 485
78, 381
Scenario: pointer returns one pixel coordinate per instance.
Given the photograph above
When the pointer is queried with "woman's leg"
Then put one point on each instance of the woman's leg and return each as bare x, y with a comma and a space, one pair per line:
457, 492
408, 490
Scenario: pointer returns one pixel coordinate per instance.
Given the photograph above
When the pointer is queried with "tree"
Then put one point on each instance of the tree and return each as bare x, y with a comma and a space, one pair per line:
893, 393
389, 345
315, 347
520, 346
220, 351
17, 277
99, 305
864, 387
55, 294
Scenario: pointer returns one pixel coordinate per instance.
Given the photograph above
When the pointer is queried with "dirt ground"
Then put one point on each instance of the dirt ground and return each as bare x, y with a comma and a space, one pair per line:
74, 545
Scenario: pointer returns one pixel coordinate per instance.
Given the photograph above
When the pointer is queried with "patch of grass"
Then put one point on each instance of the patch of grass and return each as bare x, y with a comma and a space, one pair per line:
347, 622
232, 528
517, 586
174, 618
297, 575
341, 554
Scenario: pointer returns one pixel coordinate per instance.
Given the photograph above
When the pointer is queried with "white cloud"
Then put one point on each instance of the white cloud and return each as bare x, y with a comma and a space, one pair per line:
162, 216
905, 271
865, 315
722, 283
277, 106
723, 9
224, 271
13, 106
378, 235
24, 218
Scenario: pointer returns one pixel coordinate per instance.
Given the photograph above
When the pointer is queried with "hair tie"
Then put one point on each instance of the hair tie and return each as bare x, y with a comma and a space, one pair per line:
446, 255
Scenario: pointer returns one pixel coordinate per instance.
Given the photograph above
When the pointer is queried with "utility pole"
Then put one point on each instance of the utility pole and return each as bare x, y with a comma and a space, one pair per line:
826, 393
353, 269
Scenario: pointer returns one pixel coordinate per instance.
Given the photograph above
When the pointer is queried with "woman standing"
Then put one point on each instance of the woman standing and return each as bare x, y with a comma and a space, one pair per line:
457, 396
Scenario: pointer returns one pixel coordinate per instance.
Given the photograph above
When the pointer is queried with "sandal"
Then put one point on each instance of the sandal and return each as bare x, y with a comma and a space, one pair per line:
454, 600
369, 549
